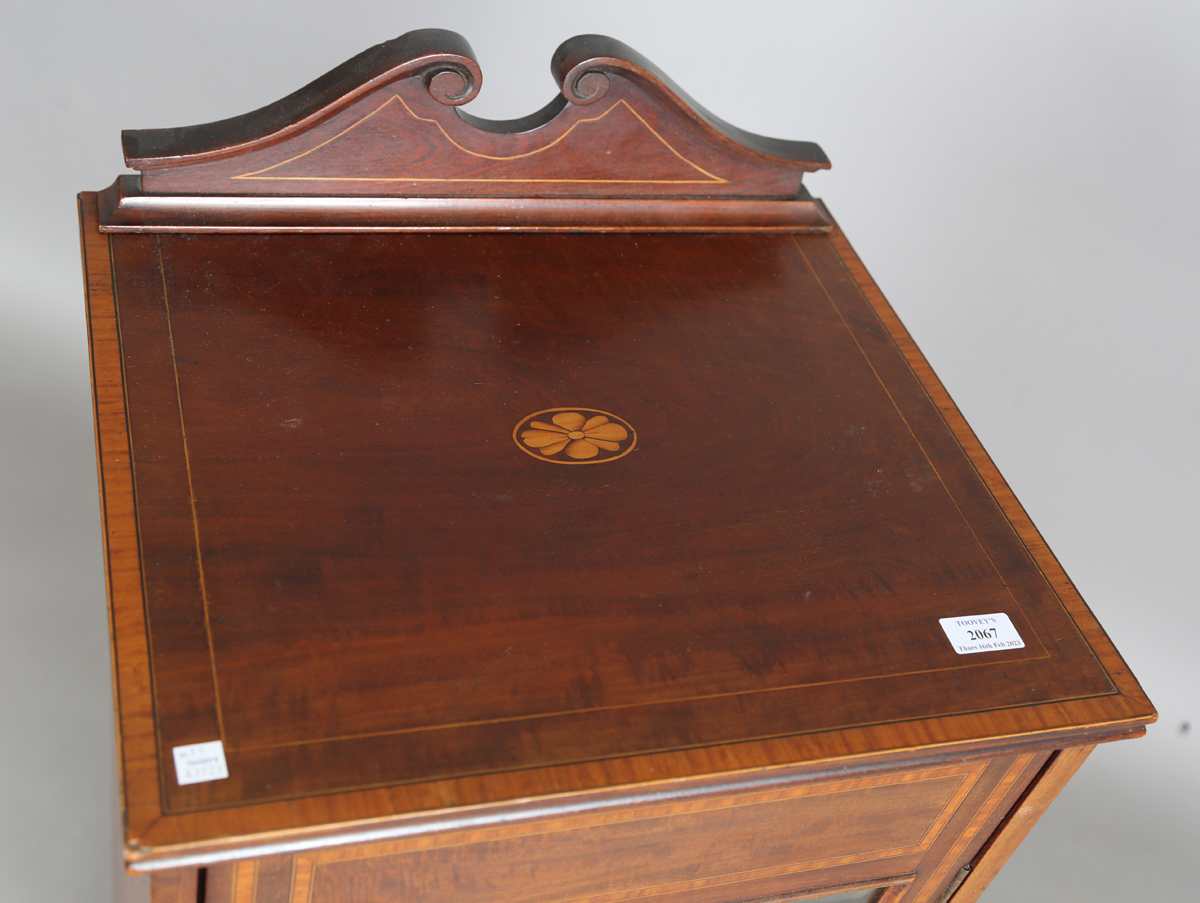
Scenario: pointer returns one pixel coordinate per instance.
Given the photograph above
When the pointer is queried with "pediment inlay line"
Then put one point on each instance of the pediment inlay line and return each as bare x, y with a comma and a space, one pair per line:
257, 175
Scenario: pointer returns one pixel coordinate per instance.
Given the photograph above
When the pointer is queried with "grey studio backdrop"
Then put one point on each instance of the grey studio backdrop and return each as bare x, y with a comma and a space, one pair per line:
1022, 179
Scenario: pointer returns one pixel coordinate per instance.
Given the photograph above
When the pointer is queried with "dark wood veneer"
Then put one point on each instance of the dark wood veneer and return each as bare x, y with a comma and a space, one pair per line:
386, 123
331, 410
124, 207
568, 629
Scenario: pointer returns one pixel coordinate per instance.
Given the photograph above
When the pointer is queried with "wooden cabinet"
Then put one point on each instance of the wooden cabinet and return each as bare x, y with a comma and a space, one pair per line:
551, 511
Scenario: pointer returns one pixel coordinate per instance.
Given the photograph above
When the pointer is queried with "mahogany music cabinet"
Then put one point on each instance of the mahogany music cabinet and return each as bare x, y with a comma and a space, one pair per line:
550, 511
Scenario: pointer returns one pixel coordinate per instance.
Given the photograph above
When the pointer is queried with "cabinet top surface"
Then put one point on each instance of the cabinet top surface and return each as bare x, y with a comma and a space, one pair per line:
419, 507
416, 521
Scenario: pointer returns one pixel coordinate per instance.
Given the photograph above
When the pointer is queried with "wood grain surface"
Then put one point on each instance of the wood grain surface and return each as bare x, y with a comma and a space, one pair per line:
1020, 821
344, 510
125, 207
388, 123
178, 886
907, 830
132, 675
388, 611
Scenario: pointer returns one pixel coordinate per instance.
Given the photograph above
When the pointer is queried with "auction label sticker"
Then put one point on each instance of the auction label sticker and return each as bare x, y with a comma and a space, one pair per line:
200, 762
981, 633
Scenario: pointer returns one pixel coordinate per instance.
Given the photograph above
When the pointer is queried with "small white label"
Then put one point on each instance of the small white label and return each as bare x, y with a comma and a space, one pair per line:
981, 633
199, 762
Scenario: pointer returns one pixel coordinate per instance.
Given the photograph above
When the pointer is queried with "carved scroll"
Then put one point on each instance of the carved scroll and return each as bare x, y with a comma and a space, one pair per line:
389, 124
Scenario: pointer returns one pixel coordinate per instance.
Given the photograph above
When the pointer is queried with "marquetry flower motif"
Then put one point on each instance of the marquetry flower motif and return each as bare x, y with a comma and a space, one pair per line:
574, 436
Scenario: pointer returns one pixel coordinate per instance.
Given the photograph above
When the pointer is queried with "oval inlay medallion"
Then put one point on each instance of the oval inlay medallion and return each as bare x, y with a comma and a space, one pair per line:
575, 436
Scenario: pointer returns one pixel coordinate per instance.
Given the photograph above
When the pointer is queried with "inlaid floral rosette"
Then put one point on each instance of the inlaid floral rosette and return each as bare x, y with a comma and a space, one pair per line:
575, 436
